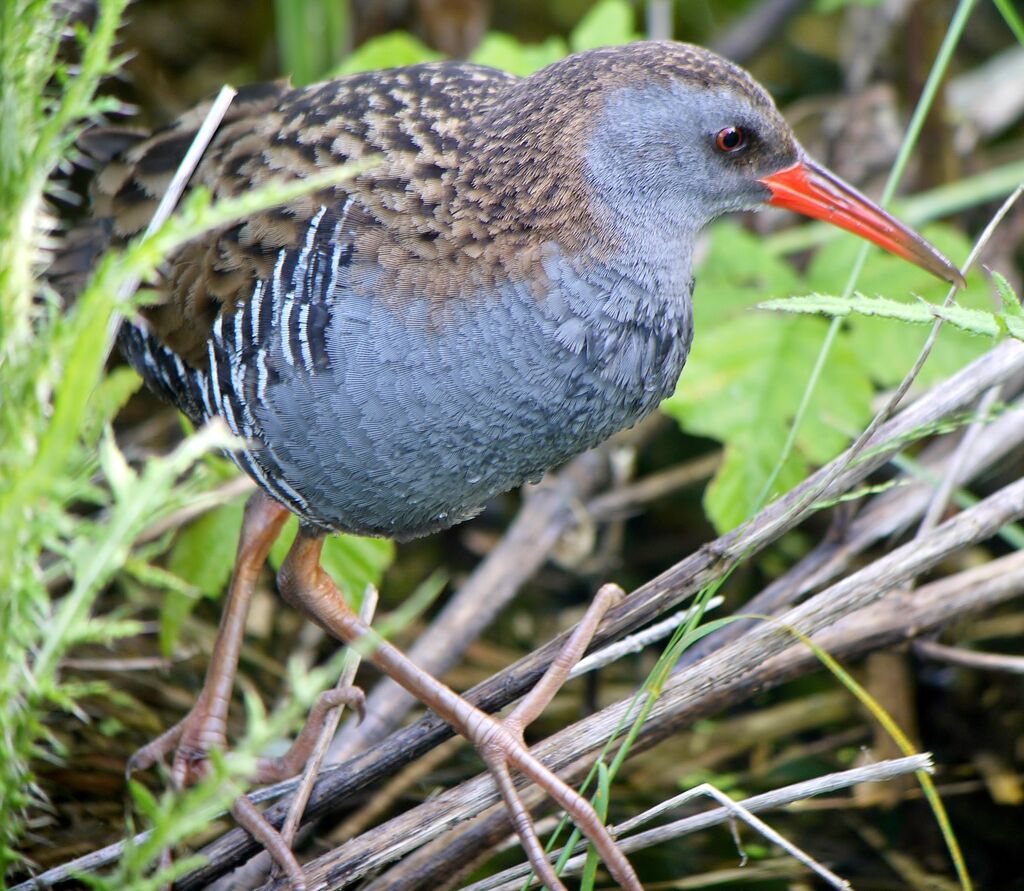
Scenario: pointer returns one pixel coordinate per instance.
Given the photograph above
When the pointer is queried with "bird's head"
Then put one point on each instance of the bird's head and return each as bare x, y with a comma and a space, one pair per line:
681, 136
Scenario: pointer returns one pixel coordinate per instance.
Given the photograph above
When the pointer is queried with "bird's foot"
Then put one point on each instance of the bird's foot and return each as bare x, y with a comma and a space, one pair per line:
499, 741
194, 737
189, 742
500, 751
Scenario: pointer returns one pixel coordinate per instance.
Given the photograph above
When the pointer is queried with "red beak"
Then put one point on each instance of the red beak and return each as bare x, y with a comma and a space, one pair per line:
811, 190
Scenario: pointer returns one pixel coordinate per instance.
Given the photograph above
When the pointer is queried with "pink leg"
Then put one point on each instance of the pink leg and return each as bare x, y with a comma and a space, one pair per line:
205, 726
500, 743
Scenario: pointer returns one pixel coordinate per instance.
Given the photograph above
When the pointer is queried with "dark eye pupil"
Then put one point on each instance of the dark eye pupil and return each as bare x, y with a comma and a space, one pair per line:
730, 139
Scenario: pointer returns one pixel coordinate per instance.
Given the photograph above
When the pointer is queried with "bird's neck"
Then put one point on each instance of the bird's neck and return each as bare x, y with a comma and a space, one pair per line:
536, 162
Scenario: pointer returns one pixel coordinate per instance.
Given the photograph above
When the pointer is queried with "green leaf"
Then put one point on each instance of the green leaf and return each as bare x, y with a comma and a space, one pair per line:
390, 50
503, 51
204, 551
742, 387
353, 561
311, 36
1013, 19
973, 322
746, 374
112, 393
608, 23
735, 275
144, 800
119, 475
1011, 302
887, 351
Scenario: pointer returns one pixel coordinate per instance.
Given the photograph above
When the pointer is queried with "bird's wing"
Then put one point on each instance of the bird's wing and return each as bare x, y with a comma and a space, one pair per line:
397, 217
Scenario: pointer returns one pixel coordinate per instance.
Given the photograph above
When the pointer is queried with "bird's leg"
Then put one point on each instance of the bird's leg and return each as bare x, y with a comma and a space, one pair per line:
205, 726
500, 742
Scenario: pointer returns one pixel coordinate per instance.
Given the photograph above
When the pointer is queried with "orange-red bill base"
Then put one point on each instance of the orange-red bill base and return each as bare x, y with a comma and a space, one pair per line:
813, 191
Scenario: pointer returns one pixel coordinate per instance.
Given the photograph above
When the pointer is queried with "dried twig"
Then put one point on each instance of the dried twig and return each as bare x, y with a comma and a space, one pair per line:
833, 782
761, 660
888, 514
693, 694
928, 649
348, 675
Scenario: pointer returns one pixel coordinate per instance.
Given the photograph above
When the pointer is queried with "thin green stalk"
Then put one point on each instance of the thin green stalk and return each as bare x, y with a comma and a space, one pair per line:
639, 709
1013, 19
1012, 533
905, 746
924, 104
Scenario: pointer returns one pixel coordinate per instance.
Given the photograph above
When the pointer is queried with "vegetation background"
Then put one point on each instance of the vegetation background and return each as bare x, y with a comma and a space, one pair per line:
120, 527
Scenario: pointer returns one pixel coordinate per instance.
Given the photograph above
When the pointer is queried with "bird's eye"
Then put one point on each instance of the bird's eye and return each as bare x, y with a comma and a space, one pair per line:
731, 139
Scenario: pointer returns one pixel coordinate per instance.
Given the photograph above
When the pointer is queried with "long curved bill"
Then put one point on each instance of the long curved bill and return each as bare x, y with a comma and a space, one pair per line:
813, 191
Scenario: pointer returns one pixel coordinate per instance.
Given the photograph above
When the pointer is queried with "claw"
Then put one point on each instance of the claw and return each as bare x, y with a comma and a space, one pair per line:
353, 697
154, 751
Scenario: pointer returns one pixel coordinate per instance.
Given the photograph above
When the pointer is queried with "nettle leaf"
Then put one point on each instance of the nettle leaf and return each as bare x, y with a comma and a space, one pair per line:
351, 560
736, 274
1011, 302
499, 50
743, 386
746, 374
609, 23
887, 351
737, 356
975, 322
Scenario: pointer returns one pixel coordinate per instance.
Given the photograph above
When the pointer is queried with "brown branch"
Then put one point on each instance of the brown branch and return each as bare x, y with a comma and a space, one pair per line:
928, 649
850, 624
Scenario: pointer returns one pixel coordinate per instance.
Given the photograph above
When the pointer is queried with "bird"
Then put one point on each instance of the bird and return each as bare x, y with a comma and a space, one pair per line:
508, 283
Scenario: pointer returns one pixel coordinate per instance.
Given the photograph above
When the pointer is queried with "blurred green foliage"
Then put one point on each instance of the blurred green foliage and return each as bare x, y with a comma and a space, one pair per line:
312, 35
54, 409
608, 23
747, 371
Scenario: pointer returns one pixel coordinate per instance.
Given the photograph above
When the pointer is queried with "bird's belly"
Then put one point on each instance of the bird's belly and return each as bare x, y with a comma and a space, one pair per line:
411, 424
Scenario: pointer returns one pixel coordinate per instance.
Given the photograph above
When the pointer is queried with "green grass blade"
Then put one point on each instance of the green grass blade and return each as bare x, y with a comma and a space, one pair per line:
905, 746
1013, 19
923, 107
